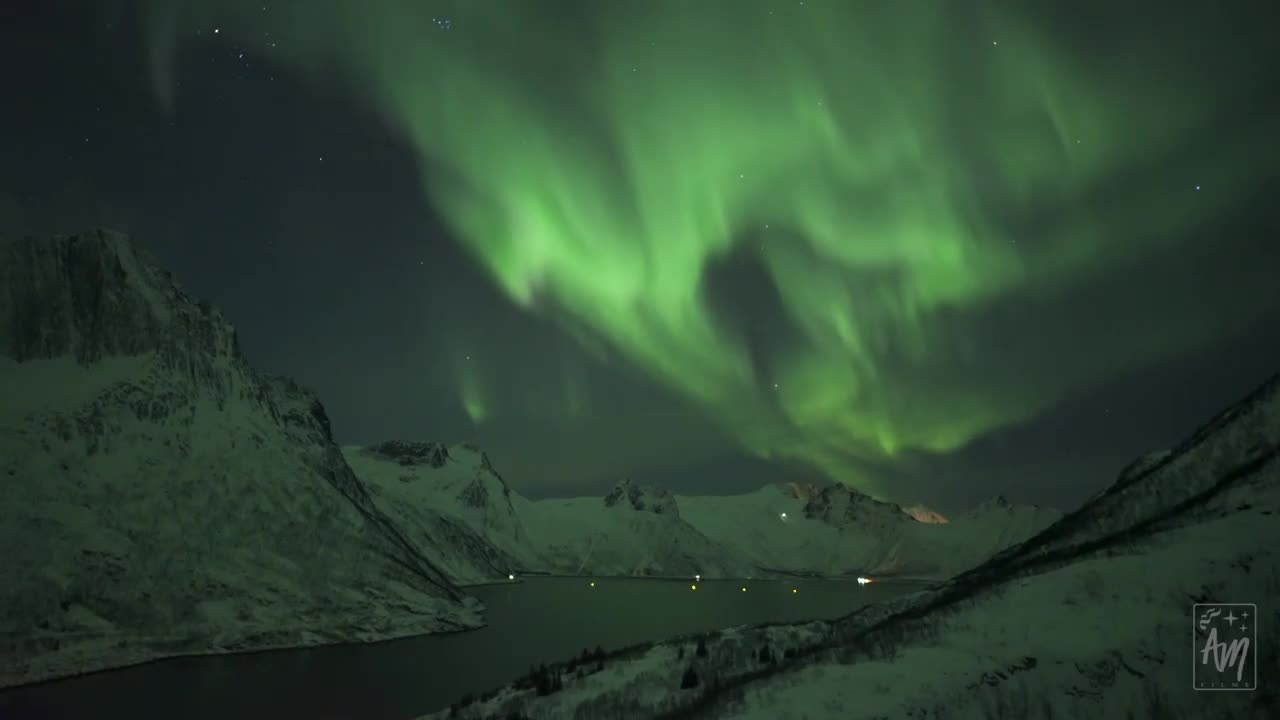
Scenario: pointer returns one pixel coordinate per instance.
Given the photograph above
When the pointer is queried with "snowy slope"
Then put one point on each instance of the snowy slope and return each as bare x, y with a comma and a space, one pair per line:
449, 499
1089, 619
838, 531
633, 530
159, 497
454, 501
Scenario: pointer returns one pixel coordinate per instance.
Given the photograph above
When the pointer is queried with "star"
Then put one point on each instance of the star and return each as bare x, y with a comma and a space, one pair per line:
1231, 618
216, 31
1197, 187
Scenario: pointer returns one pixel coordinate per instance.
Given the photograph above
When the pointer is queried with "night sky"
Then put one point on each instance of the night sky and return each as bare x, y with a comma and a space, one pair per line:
935, 250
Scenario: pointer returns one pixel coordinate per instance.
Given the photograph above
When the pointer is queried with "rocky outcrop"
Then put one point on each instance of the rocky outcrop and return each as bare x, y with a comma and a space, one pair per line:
411, 453
642, 499
839, 505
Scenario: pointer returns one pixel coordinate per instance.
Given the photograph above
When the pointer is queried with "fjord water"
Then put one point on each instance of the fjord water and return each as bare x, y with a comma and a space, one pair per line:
538, 620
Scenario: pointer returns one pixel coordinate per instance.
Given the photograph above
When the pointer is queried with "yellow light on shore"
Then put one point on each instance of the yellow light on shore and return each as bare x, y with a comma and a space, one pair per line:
795, 590
693, 587
744, 589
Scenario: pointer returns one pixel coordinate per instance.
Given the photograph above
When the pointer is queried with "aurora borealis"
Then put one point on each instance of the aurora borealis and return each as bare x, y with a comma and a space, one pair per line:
848, 236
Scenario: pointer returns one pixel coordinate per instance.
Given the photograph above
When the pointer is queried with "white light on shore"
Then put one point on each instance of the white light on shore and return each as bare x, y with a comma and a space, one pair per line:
863, 580
511, 576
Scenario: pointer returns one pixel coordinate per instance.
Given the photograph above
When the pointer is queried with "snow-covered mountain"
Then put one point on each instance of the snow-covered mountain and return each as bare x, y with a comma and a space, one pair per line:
158, 496
450, 499
1091, 618
836, 530
632, 530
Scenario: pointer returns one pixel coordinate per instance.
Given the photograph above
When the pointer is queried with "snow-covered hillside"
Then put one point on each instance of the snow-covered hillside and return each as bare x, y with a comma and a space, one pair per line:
452, 499
633, 530
1089, 619
159, 497
838, 531
449, 499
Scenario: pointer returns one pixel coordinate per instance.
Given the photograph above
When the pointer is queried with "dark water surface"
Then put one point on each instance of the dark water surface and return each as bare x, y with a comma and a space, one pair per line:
539, 620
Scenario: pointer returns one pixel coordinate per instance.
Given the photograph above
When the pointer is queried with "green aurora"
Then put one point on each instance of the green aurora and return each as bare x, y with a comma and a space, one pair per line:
908, 174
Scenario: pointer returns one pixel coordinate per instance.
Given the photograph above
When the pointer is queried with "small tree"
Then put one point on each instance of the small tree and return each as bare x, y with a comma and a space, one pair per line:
701, 650
690, 679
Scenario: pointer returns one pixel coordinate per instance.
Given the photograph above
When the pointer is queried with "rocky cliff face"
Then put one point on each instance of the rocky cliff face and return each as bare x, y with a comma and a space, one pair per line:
629, 495
158, 496
839, 505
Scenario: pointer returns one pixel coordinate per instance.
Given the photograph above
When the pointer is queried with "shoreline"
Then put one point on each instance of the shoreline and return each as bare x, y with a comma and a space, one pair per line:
876, 579
137, 653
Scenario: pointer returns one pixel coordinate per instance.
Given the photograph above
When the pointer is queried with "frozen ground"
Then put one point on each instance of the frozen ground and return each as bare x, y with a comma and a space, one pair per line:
1089, 619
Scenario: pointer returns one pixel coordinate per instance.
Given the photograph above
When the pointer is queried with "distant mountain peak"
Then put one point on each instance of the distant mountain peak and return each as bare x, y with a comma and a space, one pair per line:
409, 453
642, 498
996, 504
841, 504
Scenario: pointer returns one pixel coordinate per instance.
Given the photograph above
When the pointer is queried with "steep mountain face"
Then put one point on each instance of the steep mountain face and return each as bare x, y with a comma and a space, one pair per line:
158, 496
838, 505
450, 499
1089, 618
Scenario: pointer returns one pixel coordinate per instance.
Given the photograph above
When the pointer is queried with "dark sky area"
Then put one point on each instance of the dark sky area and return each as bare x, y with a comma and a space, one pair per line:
935, 250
